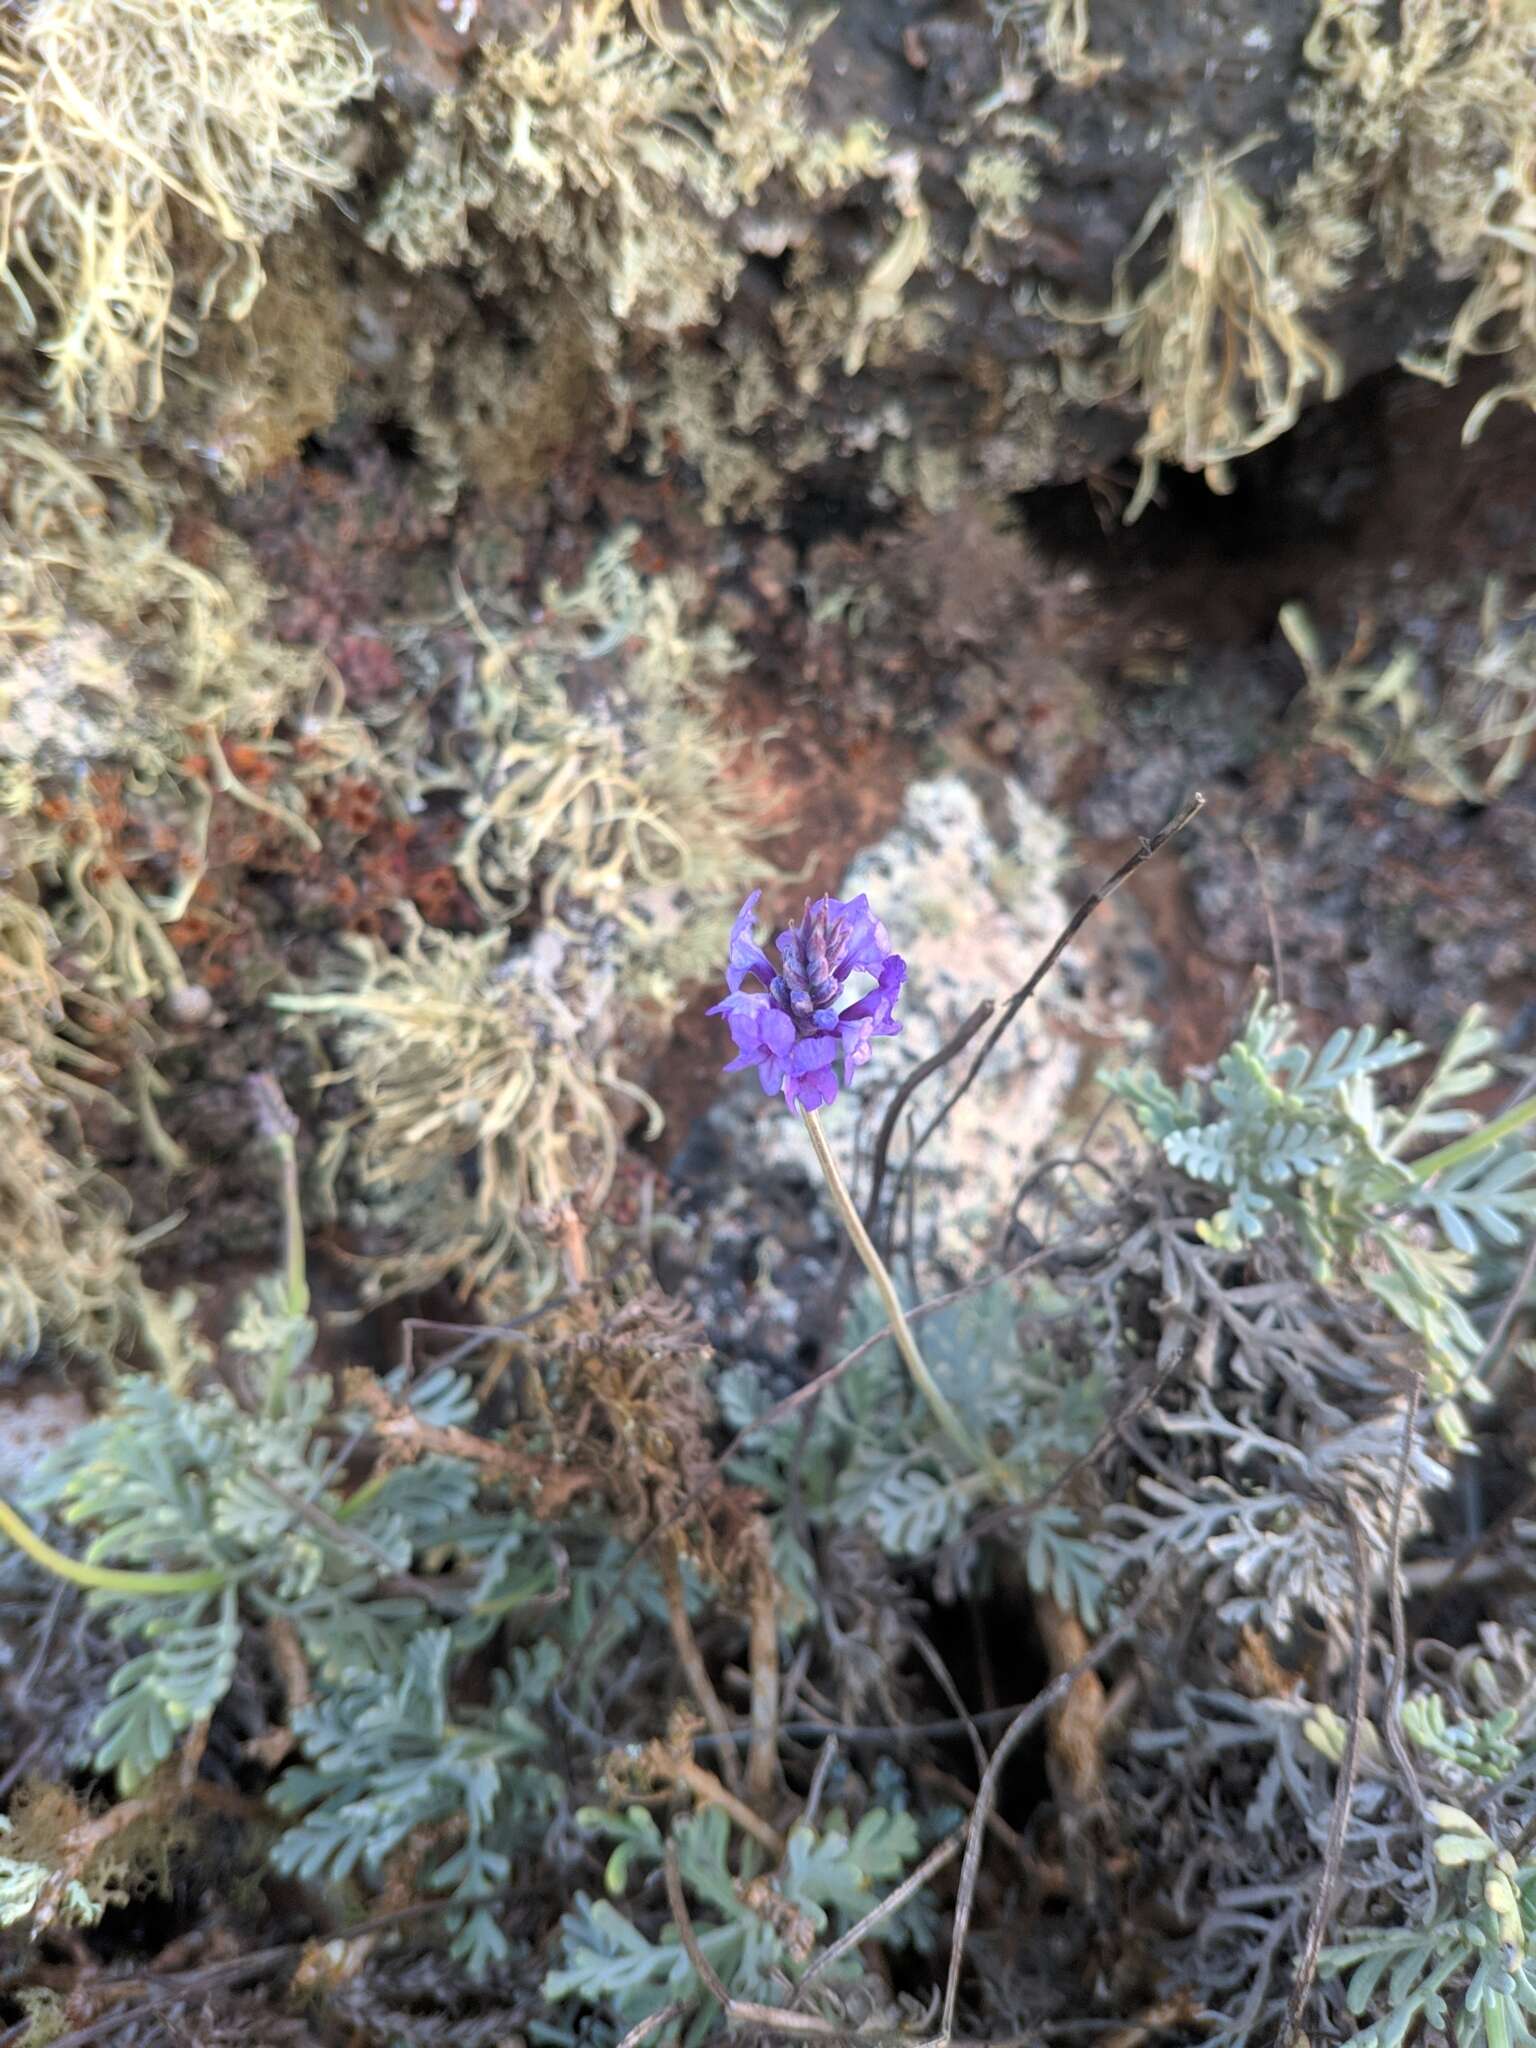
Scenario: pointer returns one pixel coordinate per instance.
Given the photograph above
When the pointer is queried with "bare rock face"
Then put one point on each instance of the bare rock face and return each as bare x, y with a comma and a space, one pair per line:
35, 1420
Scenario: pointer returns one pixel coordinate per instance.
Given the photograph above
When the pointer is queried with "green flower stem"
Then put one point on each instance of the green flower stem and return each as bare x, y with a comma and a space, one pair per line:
295, 1278
943, 1412
1481, 1140
103, 1578
276, 1122
362, 1498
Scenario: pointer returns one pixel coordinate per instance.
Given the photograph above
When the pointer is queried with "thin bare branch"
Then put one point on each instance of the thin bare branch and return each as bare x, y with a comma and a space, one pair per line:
1144, 852
653, 2023
936, 1860
1023, 1722
738, 2011
763, 1663
700, 1684
1343, 1798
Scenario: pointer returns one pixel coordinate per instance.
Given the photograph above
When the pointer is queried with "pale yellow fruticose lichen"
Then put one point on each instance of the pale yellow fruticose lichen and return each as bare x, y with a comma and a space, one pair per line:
1215, 345
126, 129
1426, 126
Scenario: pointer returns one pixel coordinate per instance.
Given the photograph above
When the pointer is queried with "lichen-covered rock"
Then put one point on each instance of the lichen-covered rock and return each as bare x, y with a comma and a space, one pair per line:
986, 248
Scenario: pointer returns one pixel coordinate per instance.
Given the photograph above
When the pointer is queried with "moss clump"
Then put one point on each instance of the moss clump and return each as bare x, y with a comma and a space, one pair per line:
142, 713
1002, 184
1065, 33
136, 692
209, 123
605, 179
1427, 128
490, 412
63, 1864
707, 408
584, 751
259, 387
592, 772
1214, 345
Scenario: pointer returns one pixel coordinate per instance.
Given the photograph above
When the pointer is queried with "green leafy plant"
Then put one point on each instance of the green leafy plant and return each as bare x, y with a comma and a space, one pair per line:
1289, 1134
875, 1457
170, 1476
390, 1763
756, 1924
1468, 1974
212, 1509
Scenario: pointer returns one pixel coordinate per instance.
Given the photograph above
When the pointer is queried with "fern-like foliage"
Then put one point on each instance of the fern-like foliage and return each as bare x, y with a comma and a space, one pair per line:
1305, 1138
1469, 1974
173, 1482
759, 1927
246, 1498
874, 1458
390, 1766
155, 1697
173, 1479
1462, 1966
170, 1480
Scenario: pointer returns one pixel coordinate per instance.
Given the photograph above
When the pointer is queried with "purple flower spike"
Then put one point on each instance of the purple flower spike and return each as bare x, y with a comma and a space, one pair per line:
799, 1026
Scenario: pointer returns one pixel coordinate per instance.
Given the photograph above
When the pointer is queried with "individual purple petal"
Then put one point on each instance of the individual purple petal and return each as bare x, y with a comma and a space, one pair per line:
729, 1005
746, 956
880, 1003
746, 1018
812, 1053
858, 1044
778, 1032
812, 1091
868, 941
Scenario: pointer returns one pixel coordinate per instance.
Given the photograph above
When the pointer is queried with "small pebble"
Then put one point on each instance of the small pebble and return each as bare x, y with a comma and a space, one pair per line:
189, 1005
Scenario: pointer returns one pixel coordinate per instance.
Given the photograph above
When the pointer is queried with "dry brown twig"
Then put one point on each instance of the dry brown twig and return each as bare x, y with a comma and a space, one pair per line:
549, 1488
666, 1761
684, 1641
740, 2012
643, 2030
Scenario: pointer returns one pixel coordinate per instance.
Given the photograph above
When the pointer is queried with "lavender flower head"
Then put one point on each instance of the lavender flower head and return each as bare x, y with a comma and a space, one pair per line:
795, 1031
